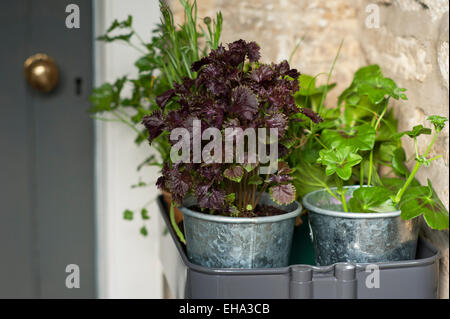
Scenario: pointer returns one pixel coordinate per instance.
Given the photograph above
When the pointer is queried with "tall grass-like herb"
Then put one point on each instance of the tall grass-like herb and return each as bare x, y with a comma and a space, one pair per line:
165, 59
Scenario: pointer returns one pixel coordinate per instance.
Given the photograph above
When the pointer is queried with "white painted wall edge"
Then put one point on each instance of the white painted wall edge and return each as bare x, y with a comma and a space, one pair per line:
128, 265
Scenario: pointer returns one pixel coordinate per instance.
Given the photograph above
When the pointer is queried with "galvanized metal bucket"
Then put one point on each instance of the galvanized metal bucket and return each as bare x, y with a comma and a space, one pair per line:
357, 237
236, 242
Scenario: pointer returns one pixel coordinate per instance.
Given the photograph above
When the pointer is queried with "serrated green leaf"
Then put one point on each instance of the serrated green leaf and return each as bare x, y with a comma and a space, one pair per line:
340, 161
438, 122
283, 194
369, 81
420, 200
371, 200
358, 138
418, 130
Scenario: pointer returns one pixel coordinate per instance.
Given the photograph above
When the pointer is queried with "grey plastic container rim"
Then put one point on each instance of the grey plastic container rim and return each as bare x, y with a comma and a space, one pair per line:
311, 207
283, 270
244, 220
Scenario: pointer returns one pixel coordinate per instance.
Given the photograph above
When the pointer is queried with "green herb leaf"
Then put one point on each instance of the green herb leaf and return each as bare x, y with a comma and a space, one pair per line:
398, 162
371, 200
422, 200
418, 130
357, 108
388, 129
340, 161
145, 63
255, 180
249, 166
101, 98
358, 138
144, 214
120, 25
386, 151
369, 81
123, 37
144, 231
128, 214
438, 122
393, 184
230, 198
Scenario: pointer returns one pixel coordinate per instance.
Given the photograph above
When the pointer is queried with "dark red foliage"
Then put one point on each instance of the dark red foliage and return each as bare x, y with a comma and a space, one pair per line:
312, 115
226, 93
155, 124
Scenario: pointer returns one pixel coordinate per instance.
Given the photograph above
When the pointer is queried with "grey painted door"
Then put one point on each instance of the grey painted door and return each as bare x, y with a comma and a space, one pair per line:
46, 154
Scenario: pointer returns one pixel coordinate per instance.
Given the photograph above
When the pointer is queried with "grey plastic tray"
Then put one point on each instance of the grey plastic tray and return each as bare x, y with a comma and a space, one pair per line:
404, 279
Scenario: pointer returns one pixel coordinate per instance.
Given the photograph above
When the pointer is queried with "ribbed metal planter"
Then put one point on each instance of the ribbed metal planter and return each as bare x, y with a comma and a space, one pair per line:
357, 237
234, 242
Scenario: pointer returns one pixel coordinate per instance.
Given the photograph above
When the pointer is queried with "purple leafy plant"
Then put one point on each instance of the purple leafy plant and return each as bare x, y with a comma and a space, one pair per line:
232, 89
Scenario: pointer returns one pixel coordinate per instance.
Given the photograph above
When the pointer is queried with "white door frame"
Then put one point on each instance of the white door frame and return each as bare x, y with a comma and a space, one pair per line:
127, 263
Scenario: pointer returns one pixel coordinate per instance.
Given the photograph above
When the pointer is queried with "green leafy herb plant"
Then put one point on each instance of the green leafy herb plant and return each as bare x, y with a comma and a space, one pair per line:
358, 143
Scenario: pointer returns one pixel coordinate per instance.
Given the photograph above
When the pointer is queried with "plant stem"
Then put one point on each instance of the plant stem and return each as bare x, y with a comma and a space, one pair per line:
138, 36
381, 115
320, 142
263, 189
435, 158
369, 178
329, 77
400, 193
361, 174
344, 202
295, 49
431, 144
309, 87
240, 196
416, 148
174, 224
331, 192
341, 192
123, 120
135, 47
377, 123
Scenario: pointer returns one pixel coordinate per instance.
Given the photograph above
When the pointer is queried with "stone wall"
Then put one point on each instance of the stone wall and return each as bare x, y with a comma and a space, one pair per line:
411, 46
409, 39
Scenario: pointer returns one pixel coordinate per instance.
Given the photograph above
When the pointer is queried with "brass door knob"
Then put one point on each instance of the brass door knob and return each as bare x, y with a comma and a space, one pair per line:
41, 72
